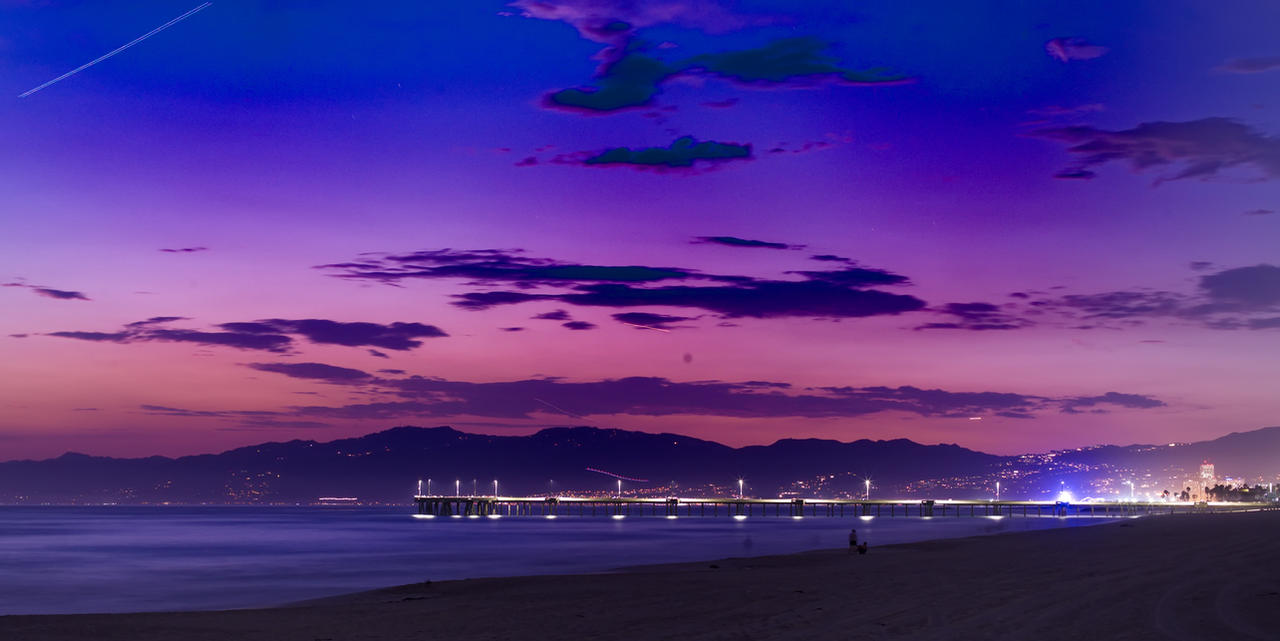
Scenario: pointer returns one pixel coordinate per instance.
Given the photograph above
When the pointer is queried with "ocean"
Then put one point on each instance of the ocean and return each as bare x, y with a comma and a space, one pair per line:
56, 560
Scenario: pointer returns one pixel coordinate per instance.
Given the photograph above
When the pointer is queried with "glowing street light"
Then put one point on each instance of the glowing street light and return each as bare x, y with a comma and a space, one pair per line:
997, 491
619, 488
495, 487
867, 496
457, 487
419, 487
428, 487
739, 489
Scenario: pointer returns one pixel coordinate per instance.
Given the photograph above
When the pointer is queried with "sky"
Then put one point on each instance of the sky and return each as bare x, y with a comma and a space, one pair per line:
1012, 226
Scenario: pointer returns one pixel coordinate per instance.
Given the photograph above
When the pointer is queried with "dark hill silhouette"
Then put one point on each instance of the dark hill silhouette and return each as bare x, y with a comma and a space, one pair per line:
384, 466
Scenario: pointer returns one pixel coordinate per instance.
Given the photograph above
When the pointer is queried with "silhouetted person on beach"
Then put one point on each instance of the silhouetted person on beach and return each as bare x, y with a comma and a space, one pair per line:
853, 539
862, 548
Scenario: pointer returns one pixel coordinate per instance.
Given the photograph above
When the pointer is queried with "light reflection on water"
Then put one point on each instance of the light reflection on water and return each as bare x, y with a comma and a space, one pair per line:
114, 559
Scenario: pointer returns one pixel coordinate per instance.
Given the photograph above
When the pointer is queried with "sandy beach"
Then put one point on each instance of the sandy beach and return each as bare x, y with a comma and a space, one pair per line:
1214, 577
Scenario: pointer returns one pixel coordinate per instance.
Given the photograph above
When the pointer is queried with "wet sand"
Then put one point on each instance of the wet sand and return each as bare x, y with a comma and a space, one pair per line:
1214, 577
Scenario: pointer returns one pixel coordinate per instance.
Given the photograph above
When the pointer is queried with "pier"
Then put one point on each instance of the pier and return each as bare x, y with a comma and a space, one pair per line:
430, 506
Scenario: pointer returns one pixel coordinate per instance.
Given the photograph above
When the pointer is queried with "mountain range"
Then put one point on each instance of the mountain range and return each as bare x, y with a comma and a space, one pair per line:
384, 467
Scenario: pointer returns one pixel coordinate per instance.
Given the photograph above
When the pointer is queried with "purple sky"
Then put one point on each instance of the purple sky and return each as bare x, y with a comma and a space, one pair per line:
1014, 228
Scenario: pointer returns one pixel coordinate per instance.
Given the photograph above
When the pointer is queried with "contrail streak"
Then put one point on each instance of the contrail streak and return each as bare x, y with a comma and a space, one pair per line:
126, 46
562, 411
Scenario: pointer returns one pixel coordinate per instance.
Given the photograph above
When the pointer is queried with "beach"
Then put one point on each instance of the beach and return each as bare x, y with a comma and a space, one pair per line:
1213, 576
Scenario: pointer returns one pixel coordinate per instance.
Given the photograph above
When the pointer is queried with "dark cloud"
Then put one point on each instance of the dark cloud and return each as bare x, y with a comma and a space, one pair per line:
244, 419
314, 371
1068, 49
1200, 148
830, 258
1200, 265
652, 396
396, 336
1249, 65
49, 292
156, 320
838, 293
977, 317
1259, 212
376, 354
1230, 299
392, 371
579, 325
1256, 287
632, 80
753, 299
856, 277
649, 320
733, 241
799, 61
1119, 304
681, 154
557, 315
494, 266
109, 337
184, 250
512, 329
270, 335
1133, 401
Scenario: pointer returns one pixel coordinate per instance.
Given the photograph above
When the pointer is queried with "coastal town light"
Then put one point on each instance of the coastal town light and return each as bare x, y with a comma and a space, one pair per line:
739, 489
867, 496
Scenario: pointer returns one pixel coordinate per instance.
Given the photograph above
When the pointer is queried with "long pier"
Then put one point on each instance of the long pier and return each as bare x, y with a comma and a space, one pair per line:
431, 506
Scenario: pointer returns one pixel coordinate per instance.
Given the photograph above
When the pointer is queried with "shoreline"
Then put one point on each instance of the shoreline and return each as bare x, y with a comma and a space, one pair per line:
1211, 576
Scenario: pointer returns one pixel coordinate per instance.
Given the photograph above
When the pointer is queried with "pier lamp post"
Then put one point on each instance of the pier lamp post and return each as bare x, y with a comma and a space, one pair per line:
619, 488
428, 487
495, 487
419, 487
1130, 489
739, 489
457, 487
997, 491
867, 496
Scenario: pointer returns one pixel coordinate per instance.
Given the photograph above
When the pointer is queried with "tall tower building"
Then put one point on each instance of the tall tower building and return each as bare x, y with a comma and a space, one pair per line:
1207, 476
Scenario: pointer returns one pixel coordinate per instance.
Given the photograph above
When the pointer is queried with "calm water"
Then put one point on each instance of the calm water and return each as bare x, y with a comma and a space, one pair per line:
114, 559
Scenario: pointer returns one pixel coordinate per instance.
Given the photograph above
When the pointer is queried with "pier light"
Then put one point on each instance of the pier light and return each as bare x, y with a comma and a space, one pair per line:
551, 516
495, 516
997, 490
1130, 482
739, 489
457, 487
619, 517
424, 516
739, 517
867, 517
419, 487
672, 516
428, 487
619, 487
867, 496
495, 487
